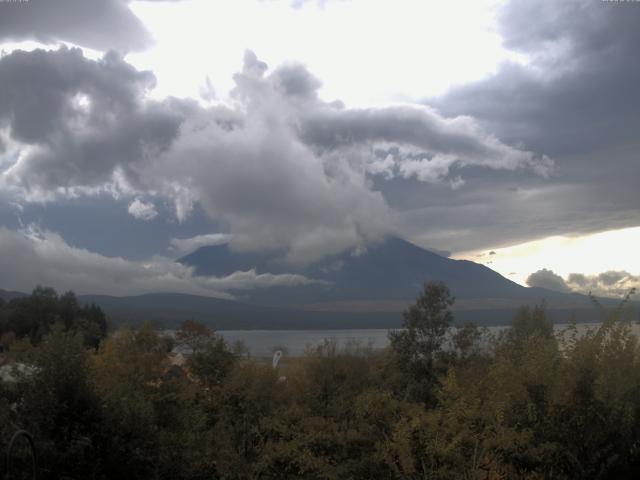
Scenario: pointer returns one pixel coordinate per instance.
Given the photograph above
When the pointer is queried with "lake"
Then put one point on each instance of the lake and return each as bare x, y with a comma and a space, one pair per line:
263, 343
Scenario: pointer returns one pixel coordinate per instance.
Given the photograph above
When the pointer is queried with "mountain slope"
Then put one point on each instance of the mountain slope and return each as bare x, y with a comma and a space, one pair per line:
393, 270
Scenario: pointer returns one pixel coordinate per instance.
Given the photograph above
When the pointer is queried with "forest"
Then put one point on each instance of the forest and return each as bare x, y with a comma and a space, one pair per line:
441, 402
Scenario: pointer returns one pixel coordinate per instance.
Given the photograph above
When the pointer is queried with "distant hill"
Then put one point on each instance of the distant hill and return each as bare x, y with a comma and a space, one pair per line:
168, 309
7, 295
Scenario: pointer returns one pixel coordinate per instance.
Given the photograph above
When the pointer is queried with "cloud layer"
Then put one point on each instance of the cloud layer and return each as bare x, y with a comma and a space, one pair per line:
542, 147
32, 255
575, 98
281, 168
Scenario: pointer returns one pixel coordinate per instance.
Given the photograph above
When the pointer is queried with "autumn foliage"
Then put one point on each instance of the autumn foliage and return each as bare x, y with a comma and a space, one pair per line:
439, 403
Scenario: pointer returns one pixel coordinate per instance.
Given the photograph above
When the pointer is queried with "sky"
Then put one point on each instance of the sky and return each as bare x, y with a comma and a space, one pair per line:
133, 132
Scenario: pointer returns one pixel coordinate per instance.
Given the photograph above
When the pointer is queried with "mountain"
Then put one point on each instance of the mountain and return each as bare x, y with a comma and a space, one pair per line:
366, 288
384, 279
392, 270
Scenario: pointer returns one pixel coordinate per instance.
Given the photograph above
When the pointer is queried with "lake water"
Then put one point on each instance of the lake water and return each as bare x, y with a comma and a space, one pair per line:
263, 343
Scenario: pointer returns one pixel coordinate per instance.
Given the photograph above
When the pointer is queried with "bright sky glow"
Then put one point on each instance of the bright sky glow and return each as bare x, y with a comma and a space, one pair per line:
364, 51
588, 254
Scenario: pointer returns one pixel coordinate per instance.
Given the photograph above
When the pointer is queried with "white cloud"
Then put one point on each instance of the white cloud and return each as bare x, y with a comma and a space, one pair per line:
142, 210
32, 256
428, 170
186, 245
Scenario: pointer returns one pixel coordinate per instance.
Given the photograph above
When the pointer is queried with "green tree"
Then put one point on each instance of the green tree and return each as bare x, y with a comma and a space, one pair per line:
212, 362
419, 344
33, 317
60, 406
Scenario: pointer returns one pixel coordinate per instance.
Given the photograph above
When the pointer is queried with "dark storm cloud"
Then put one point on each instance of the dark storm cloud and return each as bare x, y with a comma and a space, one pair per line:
80, 120
580, 91
486, 214
577, 101
37, 88
97, 24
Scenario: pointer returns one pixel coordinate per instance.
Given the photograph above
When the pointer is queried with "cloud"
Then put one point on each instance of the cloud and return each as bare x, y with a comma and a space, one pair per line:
182, 246
578, 52
421, 142
145, 211
34, 256
606, 284
575, 98
78, 123
547, 279
515, 156
294, 172
98, 24
278, 166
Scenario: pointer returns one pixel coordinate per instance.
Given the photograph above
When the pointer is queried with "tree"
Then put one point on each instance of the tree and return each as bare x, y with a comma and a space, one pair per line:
33, 317
467, 341
419, 344
194, 335
212, 362
60, 406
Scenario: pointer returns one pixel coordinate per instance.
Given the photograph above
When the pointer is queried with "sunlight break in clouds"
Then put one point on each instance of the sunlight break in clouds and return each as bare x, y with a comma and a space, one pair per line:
591, 255
386, 40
